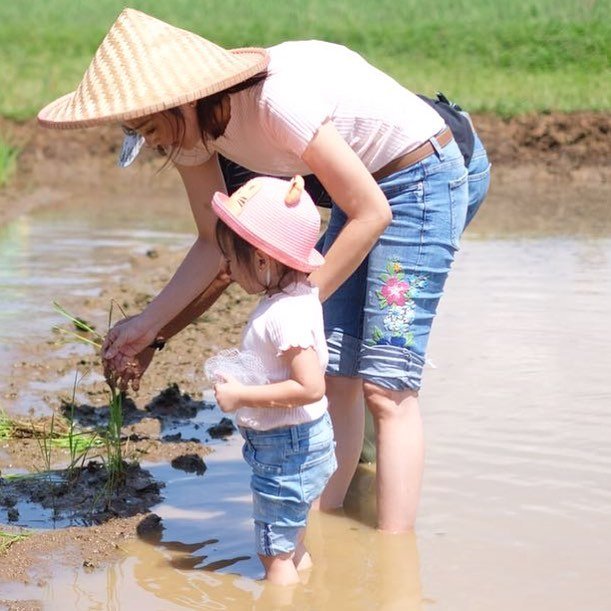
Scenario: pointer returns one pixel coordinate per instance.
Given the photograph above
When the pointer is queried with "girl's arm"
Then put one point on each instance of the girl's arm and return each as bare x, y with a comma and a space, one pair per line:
356, 192
306, 385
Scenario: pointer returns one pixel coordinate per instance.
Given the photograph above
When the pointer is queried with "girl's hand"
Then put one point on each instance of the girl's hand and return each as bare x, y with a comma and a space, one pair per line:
227, 393
127, 339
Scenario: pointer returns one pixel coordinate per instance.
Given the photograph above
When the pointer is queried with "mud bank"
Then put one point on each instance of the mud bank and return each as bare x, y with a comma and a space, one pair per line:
558, 149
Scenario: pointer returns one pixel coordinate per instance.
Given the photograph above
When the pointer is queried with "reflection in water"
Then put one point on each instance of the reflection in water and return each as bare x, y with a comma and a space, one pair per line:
516, 508
356, 567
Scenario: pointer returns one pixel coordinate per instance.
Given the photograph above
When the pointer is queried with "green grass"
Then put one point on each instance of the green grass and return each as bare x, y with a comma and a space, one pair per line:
5, 425
8, 161
506, 56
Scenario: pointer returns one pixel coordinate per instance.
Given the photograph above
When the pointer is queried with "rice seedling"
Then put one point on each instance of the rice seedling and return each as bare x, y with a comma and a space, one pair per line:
81, 325
60, 436
79, 443
112, 438
114, 451
44, 443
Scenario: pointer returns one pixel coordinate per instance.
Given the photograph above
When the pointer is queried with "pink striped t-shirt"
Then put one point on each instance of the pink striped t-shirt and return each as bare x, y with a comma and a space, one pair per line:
309, 83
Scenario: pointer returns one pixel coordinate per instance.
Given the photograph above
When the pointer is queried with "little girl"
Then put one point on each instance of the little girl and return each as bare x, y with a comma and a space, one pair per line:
267, 231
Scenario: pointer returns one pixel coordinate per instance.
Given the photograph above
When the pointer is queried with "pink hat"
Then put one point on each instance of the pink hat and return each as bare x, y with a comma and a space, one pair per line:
277, 216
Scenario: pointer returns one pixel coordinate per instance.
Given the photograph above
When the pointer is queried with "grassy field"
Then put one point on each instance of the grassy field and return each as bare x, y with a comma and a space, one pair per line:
508, 56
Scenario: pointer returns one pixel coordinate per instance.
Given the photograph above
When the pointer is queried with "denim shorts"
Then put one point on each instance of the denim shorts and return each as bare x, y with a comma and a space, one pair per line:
378, 322
479, 179
290, 467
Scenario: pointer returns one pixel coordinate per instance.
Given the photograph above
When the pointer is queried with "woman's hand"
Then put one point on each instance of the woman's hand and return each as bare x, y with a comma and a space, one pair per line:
128, 339
227, 393
133, 372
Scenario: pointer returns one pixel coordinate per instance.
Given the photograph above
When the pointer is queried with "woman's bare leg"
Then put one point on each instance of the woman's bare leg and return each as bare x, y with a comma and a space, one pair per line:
348, 417
302, 559
400, 455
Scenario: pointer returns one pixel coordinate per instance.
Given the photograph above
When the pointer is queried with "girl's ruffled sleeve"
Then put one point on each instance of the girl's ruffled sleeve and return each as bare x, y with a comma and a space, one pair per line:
290, 328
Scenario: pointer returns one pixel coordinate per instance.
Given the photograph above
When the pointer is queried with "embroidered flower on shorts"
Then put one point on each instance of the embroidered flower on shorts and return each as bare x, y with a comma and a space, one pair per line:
397, 297
398, 319
395, 292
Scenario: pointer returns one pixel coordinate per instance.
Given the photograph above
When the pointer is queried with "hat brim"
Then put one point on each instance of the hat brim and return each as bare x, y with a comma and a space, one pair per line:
219, 205
60, 114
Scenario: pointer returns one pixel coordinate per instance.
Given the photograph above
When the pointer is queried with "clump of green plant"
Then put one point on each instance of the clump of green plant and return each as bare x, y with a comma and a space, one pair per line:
56, 434
79, 443
112, 438
8, 538
5, 425
8, 161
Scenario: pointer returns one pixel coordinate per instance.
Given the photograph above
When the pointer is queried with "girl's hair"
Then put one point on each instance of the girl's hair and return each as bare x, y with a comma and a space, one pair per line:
230, 242
210, 125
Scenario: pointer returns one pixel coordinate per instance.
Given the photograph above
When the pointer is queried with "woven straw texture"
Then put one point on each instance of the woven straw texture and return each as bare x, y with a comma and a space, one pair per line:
286, 232
144, 66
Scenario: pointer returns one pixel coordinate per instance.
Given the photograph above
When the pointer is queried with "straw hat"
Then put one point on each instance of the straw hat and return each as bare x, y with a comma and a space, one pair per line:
145, 65
277, 216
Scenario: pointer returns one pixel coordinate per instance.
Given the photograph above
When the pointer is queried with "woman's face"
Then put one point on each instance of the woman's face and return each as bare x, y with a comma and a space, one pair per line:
164, 129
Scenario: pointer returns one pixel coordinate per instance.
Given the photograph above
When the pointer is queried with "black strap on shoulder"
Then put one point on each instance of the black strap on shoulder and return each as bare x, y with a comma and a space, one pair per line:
457, 120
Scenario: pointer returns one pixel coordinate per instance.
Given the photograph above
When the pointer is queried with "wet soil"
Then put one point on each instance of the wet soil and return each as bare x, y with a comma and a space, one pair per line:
556, 156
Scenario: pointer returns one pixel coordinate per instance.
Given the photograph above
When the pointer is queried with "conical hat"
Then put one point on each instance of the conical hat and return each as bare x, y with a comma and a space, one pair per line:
145, 65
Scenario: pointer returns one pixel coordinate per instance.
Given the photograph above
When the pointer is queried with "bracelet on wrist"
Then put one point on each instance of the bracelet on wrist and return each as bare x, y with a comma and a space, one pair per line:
158, 343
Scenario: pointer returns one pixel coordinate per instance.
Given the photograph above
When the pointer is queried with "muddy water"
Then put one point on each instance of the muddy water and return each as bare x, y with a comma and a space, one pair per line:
65, 251
516, 508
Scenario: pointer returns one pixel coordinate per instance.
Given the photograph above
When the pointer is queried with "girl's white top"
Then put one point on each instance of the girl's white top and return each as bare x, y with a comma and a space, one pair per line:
289, 319
311, 82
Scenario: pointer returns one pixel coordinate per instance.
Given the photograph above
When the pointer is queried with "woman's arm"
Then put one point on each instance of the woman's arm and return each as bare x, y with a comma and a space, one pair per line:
196, 272
355, 191
139, 363
203, 261
306, 385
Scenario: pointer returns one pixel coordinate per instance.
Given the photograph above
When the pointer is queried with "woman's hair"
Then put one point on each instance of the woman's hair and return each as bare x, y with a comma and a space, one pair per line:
211, 126
230, 242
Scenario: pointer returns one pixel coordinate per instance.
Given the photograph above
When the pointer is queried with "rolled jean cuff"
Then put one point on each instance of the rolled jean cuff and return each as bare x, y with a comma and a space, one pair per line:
273, 540
344, 352
391, 367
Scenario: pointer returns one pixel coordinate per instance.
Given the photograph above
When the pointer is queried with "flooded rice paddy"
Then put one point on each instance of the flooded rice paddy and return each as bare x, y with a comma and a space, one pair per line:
516, 506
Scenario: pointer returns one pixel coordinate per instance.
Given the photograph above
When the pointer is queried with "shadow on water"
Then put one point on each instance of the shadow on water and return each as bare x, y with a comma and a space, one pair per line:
516, 508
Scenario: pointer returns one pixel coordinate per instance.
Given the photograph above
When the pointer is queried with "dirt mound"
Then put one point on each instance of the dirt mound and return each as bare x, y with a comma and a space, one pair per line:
573, 139
82, 495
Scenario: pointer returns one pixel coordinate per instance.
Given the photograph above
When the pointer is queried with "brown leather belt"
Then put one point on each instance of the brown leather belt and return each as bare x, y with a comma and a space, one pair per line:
414, 156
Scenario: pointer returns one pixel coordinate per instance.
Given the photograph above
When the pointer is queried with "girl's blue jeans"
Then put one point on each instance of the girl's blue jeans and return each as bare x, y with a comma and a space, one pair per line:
291, 466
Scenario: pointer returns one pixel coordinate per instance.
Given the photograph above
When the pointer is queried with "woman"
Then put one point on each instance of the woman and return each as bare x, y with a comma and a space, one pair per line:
388, 162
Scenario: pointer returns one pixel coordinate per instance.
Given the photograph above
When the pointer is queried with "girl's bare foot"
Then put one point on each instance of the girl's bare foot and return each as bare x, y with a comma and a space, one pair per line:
302, 559
280, 570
